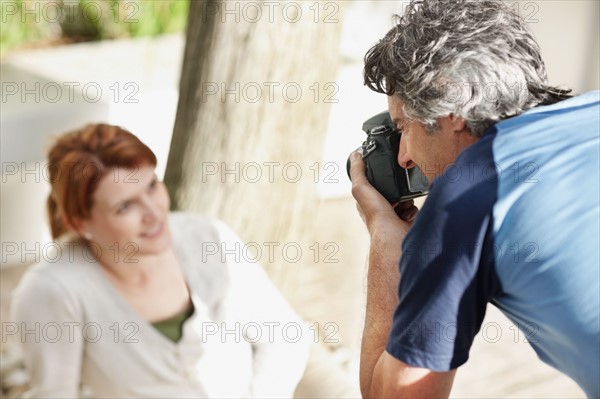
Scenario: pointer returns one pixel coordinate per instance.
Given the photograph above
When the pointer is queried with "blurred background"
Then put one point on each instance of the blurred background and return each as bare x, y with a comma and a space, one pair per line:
252, 113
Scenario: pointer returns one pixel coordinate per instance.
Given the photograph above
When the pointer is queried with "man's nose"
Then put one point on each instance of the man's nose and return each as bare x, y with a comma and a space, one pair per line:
404, 158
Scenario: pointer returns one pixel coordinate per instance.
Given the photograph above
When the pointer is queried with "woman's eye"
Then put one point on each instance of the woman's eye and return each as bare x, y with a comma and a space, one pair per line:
124, 207
152, 185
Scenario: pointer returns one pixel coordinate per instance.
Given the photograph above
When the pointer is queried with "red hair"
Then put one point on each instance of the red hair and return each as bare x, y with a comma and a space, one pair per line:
78, 160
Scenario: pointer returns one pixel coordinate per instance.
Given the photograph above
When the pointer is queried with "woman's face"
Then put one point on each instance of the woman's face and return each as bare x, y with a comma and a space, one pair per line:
129, 216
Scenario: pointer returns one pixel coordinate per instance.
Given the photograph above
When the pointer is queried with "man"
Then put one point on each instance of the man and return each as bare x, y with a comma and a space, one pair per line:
512, 216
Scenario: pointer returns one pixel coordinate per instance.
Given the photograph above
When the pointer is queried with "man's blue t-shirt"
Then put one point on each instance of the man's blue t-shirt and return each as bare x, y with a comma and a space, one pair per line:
514, 221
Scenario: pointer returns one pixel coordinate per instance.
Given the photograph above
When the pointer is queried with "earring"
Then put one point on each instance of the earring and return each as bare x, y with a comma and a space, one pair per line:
87, 235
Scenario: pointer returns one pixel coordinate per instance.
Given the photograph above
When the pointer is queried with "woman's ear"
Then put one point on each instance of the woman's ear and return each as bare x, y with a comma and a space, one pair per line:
75, 224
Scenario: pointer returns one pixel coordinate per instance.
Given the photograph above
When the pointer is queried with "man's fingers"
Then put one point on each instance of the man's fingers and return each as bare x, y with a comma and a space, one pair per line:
406, 210
357, 169
361, 188
371, 205
404, 205
407, 213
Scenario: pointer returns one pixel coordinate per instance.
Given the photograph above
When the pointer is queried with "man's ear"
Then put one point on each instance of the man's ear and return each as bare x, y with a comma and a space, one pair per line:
457, 122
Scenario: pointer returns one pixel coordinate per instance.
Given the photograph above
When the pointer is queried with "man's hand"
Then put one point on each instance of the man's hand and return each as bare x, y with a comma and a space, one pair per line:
371, 205
381, 375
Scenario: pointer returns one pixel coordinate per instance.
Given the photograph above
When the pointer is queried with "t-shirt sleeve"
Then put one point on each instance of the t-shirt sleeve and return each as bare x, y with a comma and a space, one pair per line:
447, 276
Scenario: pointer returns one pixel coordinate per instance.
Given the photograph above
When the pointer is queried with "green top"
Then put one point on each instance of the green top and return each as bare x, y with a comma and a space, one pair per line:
172, 327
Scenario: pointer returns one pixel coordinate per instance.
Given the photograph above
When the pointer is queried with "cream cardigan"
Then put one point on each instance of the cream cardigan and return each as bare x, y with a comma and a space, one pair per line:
243, 339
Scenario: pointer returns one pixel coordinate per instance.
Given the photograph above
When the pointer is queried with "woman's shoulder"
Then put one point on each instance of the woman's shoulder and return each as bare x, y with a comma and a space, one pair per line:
193, 226
204, 235
62, 273
48, 289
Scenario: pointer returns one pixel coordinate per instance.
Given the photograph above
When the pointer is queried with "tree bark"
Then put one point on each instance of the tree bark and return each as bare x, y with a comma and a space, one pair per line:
255, 95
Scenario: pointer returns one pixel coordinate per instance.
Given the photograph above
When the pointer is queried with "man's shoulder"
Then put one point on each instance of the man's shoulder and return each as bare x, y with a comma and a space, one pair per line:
580, 110
590, 98
523, 141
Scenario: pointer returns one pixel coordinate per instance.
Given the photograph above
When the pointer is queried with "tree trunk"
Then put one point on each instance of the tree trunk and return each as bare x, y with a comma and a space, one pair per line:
255, 95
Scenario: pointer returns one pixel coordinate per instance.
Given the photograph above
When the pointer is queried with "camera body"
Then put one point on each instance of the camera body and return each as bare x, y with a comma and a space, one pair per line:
380, 155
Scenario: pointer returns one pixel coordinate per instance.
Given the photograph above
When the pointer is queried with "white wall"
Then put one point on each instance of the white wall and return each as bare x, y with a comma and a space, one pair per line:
569, 35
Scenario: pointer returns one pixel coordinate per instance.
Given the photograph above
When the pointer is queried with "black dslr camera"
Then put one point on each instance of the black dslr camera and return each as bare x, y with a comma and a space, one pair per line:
380, 155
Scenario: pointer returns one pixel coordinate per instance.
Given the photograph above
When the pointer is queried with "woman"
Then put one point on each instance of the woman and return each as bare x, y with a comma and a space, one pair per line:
141, 302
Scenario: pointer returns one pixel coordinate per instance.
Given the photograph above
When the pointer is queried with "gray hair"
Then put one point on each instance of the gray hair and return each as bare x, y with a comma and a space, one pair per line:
472, 58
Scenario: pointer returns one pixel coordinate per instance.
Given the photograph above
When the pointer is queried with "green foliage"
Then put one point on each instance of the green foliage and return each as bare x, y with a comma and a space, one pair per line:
27, 23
